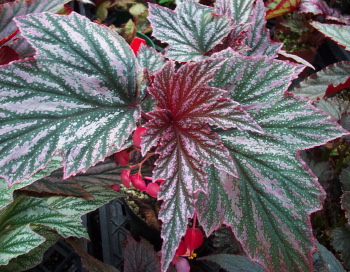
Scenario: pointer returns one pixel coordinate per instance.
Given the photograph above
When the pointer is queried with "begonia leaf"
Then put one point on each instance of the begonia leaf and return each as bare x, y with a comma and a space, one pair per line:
275, 189
340, 240
233, 263
334, 106
140, 256
325, 261
150, 59
325, 82
191, 30
239, 11
345, 204
79, 103
17, 236
35, 255
337, 33
258, 38
320, 7
345, 178
90, 263
22, 7
279, 7
186, 106
6, 193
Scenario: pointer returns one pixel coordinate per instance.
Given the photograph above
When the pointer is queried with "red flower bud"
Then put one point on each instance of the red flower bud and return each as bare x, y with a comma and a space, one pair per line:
136, 43
125, 177
122, 157
115, 187
139, 132
138, 182
152, 189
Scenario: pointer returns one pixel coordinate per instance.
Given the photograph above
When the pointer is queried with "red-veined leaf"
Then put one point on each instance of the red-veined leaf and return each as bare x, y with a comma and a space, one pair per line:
279, 7
186, 105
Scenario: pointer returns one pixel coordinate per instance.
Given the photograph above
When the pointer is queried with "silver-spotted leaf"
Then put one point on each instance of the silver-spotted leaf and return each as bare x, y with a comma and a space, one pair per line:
17, 241
258, 38
238, 10
325, 82
150, 59
6, 193
186, 105
75, 207
191, 30
338, 33
75, 99
10, 10
275, 189
334, 106
34, 256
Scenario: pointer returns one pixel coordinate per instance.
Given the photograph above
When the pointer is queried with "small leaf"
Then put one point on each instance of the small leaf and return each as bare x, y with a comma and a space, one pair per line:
75, 207
89, 262
340, 240
29, 210
239, 10
334, 106
234, 263
258, 38
150, 59
34, 256
140, 256
191, 30
325, 82
10, 10
325, 261
279, 7
77, 103
7, 192
345, 204
17, 241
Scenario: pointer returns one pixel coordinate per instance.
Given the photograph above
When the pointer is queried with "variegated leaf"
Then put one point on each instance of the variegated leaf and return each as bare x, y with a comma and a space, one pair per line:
150, 59
258, 38
326, 81
80, 98
29, 210
253, 79
238, 10
102, 174
54, 184
17, 241
274, 189
6, 193
338, 33
191, 30
75, 207
22, 7
180, 124
34, 256
334, 106
320, 7
18, 217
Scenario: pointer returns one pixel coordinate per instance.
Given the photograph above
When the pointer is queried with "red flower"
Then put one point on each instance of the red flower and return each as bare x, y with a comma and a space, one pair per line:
136, 43
122, 157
